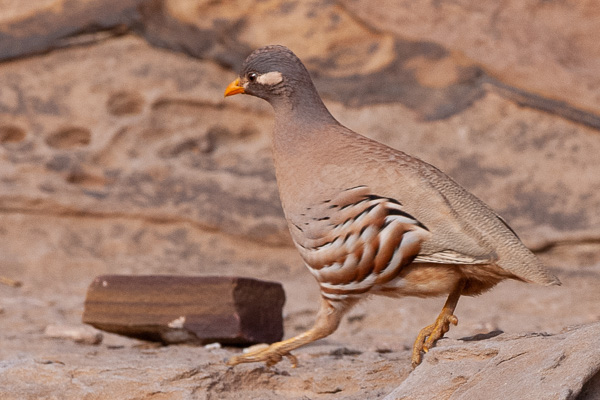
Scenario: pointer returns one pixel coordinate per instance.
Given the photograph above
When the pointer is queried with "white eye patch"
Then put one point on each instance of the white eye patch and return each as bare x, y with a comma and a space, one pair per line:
270, 78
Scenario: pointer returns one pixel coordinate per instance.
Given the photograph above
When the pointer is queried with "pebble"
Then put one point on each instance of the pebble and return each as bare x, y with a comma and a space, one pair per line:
77, 333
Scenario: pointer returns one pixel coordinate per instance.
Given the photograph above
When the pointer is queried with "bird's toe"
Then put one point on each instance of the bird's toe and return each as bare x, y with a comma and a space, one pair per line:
270, 355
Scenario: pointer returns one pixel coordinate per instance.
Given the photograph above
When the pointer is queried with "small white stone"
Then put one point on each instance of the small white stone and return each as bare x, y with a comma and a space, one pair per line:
177, 323
213, 346
77, 333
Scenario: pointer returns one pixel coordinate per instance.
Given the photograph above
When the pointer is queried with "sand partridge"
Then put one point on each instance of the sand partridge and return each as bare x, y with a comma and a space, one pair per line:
369, 219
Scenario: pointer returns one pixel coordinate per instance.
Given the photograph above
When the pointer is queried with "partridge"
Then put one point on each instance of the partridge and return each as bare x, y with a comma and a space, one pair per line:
369, 219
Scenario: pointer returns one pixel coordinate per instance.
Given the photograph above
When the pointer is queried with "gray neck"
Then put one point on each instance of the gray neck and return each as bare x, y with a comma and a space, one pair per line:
299, 106
300, 122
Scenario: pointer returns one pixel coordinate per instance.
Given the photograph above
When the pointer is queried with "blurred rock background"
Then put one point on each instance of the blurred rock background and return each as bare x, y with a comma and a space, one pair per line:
118, 154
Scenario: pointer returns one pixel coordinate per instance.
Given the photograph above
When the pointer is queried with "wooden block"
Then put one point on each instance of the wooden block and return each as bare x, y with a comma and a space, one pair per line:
177, 309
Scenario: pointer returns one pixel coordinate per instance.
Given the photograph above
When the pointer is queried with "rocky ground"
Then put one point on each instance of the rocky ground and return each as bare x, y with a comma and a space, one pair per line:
119, 155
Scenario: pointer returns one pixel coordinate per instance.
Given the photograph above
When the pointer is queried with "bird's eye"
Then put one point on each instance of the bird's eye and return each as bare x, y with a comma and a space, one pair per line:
252, 76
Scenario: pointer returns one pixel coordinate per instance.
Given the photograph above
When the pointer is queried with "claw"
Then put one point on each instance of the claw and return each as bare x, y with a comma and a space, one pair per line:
429, 335
293, 360
270, 355
328, 319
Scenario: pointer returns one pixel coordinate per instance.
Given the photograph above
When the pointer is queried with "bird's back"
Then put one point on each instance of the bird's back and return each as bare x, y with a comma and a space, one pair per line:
463, 229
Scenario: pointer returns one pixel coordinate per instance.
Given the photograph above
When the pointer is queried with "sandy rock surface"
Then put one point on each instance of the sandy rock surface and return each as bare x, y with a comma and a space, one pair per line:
119, 155
562, 366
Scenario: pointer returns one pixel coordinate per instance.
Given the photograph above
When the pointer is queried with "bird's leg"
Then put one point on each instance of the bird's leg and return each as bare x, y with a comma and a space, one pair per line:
328, 319
431, 333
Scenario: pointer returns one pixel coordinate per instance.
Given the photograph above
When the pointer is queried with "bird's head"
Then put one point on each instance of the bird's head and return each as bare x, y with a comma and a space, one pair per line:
271, 73
276, 75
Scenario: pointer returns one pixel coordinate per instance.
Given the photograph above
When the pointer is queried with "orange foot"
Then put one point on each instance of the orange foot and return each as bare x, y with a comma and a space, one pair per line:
431, 333
270, 355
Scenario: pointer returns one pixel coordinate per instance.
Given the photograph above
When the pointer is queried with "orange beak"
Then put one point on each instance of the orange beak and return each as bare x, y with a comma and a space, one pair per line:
234, 88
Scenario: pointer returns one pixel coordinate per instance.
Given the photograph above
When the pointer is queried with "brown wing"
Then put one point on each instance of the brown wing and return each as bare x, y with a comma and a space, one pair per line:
357, 241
